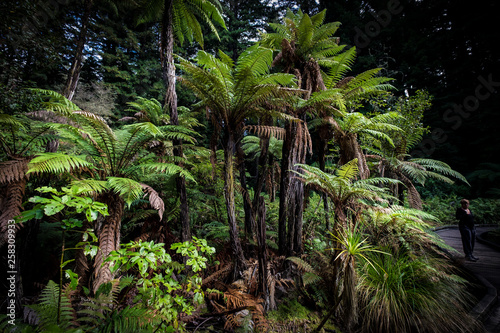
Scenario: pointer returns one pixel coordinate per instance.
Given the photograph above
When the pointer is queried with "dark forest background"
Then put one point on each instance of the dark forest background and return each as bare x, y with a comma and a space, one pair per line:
448, 48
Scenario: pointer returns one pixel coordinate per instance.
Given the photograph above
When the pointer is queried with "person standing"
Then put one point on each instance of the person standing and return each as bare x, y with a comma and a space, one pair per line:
467, 229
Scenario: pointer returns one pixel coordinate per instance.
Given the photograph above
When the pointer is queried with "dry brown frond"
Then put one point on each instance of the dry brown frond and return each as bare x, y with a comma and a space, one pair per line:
414, 198
49, 116
267, 131
13, 170
219, 275
109, 240
154, 199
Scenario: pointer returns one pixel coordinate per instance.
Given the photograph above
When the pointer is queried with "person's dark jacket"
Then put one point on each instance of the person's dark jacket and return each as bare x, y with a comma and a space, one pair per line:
464, 219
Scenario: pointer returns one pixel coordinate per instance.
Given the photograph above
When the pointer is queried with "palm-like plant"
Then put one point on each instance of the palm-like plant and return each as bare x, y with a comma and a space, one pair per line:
335, 273
344, 190
347, 129
232, 93
305, 44
20, 139
393, 156
114, 160
150, 110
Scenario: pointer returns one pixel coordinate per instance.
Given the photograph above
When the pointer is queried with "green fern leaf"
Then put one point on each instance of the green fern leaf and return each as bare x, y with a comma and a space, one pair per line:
57, 163
127, 188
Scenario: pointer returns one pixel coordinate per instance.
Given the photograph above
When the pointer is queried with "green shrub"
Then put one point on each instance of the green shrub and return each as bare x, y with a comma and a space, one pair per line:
486, 211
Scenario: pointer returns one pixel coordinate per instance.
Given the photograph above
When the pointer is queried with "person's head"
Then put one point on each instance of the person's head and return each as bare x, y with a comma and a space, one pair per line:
464, 203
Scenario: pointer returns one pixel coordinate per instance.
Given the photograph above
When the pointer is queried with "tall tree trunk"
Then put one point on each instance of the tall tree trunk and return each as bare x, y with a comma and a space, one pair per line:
247, 206
76, 65
261, 247
323, 145
261, 171
108, 234
230, 203
168, 66
291, 192
285, 188
272, 182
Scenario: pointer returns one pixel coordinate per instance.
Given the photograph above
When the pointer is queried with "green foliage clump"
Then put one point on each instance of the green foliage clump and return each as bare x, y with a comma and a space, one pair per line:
292, 316
154, 268
486, 211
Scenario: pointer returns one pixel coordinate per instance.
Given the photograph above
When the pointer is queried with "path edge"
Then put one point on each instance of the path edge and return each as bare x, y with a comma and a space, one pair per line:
483, 307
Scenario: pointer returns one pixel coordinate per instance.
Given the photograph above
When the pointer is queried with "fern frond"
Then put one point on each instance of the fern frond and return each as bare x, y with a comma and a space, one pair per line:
127, 188
302, 264
48, 306
54, 101
166, 168
10, 121
57, 163
90, 186
154, 199
349, 170
129, 319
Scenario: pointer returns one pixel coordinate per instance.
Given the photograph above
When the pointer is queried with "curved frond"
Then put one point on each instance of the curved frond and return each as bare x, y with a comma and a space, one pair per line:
57, 163
166, 168
349, 170
54, 101
154, 199
126, 188
90, 186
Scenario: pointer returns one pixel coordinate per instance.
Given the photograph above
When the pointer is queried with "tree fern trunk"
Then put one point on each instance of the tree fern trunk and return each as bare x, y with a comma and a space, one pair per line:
109, 239
247, 206
324, 137
167, 54
261, 171
285, 188
11, 207
261, 247
291, 193
272, 187
349, 150
230, 203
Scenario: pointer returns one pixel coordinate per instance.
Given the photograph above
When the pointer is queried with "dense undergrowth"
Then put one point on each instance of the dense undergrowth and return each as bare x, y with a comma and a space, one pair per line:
486, 211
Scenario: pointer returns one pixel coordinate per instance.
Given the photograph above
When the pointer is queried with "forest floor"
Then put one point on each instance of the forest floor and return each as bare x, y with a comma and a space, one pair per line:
486, 269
